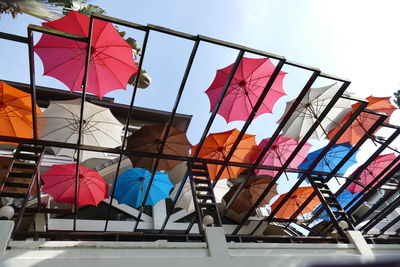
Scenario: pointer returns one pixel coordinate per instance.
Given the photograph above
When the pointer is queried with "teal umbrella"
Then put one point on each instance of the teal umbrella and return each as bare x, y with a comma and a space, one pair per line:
132, 185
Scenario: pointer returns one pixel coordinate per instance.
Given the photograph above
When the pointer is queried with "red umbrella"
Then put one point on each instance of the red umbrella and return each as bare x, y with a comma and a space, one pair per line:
372, 171
279, 152
111, 61
245, 89
59, 182
364, 121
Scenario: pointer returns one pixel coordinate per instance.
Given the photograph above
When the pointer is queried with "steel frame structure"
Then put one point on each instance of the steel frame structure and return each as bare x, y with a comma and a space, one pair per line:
163, 233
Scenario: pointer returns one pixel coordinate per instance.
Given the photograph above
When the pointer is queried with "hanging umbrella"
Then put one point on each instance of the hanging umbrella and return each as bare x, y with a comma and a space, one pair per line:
364, 120
250, 193
331, 159
295, 201
15, 112
178, 172
310, 108
344, 198
372, 171
60, 123
132, 185
59, 182
149, 138
185, 200
279, 152
245, 89
218, 145
111, 61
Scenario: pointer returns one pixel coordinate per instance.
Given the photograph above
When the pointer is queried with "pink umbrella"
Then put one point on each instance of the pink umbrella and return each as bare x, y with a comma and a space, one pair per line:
59, 182
279, 152
245, 89
372, 171
111, 61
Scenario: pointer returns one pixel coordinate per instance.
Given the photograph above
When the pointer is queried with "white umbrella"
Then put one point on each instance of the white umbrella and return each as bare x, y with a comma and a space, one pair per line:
177, 173
60, 123
310, 107
185, 200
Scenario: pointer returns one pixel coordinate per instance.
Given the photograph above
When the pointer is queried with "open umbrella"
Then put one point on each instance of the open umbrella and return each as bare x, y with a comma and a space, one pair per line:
295, 201
149, 138
132, 185
331, 159
60, 122
15, 112
245, 89
178, 172
344, 198
364, 120
310, 108
250, 194
218, 145
279, 152
59, 182
111, 61
185, 200
372, 171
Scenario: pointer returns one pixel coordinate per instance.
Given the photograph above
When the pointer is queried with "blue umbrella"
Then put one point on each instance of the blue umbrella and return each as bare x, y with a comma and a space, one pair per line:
344, 198
331, 159
132, 185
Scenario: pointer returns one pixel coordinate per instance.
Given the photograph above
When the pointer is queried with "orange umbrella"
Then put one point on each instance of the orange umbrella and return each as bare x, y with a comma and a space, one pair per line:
250, 193
295, 201
15, 112
218, 145
364, 121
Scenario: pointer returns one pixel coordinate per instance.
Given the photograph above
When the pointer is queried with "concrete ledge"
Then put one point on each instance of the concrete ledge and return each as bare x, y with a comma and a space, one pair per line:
6, 228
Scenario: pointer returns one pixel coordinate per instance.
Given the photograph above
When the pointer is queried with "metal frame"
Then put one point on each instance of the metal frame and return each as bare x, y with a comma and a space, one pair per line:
197, 39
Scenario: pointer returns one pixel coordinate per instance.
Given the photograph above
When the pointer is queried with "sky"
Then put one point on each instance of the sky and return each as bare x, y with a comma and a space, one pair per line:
357, 40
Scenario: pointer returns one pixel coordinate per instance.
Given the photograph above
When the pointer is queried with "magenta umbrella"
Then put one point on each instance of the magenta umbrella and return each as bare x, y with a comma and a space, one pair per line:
279, 152
111, 61
245, 89
372, 171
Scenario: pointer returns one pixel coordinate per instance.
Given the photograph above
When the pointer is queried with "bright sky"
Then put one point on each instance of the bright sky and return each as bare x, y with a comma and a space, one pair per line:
356, 39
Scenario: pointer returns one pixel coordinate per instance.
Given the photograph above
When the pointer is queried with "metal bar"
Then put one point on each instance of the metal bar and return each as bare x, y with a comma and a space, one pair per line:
79, 141
165, 137
216, 108
346, 157
294, 153
389, 225
182, 86
13, 37
369, 186
255, 108
33, 82
120, 22
129, 116
380, 216
62, 34
303, 92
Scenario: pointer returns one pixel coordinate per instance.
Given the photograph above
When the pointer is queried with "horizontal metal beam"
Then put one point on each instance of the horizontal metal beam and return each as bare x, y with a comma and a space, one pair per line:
13, 37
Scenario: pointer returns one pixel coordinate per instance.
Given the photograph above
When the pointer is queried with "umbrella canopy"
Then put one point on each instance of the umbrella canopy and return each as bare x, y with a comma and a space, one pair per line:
344, 198
250, 193
185, 200
59, 182
245, 89
295, 201
331, 159
279, 152
132, 185
310, 107
60, 122
15, 112
372, 171
111, 61
178, 172
149, 138
218, 145
364, 120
